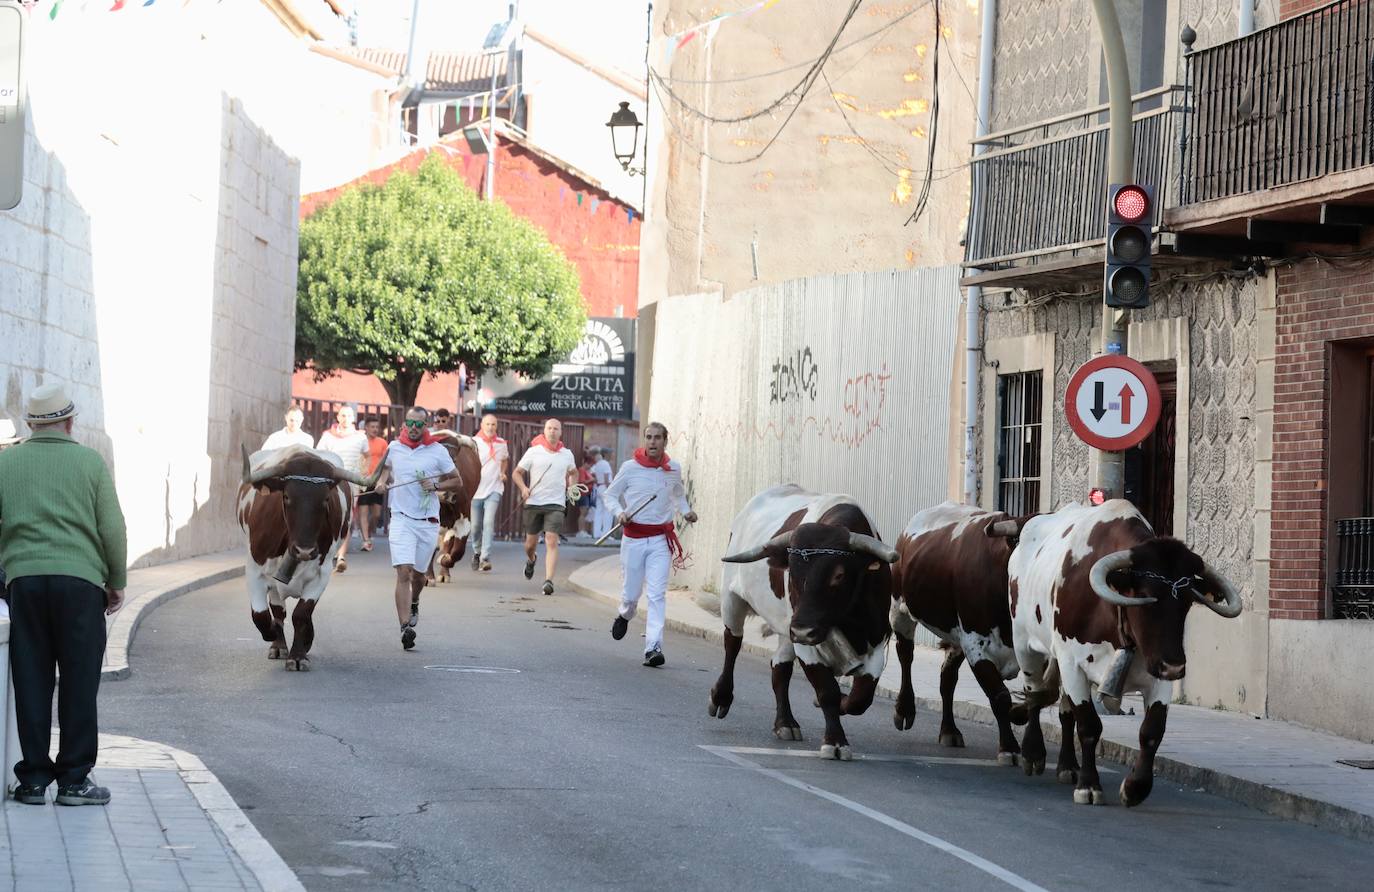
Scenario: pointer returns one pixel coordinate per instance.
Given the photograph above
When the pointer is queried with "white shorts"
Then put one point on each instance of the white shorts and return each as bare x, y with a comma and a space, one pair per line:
412, 541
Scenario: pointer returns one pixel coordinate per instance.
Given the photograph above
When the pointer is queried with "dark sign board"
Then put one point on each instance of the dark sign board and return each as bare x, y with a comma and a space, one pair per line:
595, 381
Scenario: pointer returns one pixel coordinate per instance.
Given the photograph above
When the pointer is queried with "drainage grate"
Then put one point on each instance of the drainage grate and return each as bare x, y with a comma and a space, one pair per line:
1357, 763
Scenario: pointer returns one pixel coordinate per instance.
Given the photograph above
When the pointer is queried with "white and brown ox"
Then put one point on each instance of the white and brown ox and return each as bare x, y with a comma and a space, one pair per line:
824, 586
295, 504
455, 505
951, 577
1085, 582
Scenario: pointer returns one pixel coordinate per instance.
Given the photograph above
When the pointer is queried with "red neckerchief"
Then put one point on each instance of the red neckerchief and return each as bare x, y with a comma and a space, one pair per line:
491, 444
542, 441
424, 441
643, 458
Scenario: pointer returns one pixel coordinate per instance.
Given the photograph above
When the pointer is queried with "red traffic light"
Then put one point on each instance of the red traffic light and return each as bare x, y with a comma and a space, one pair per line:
1131, 203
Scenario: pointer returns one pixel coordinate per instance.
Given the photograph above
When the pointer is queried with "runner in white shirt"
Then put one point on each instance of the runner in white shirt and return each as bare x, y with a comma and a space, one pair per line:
291, 434
350, 445
602, 473
495, 459
417, 467
543, 476
649, 546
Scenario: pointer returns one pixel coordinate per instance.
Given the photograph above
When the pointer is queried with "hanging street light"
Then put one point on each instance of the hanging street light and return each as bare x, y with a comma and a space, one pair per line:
625, 126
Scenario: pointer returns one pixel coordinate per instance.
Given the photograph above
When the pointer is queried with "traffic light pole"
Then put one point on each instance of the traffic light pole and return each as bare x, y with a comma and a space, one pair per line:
1108, 468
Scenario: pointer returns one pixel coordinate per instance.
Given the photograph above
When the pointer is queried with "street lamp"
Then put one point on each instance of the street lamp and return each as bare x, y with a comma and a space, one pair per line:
625, 126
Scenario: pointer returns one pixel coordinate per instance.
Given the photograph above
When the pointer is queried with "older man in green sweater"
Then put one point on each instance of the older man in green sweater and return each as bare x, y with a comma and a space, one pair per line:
63, 547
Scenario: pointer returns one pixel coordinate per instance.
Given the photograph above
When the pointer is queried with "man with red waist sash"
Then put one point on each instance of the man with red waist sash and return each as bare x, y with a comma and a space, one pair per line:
645, 496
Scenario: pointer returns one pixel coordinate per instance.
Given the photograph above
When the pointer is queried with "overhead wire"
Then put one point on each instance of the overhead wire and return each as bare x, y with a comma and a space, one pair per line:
932, 134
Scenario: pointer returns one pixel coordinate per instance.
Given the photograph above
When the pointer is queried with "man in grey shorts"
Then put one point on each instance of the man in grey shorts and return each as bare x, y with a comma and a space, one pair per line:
551, 468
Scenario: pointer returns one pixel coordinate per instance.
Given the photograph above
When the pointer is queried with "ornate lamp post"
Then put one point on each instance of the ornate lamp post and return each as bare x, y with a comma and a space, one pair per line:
625, 125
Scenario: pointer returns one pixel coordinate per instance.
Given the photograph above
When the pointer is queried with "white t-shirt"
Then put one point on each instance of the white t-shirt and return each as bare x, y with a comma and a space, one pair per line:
548, 473
282, 439
633, 486
352, 448
408, 465
492, 455
602, 472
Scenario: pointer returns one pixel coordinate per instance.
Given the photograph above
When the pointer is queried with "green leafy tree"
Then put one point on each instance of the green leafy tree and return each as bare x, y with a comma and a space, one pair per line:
417, 275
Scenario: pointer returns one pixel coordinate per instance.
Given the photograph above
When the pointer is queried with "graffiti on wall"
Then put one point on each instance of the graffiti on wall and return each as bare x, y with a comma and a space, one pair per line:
794, 375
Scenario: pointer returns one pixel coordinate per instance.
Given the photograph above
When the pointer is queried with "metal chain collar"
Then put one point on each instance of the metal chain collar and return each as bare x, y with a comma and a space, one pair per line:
1176, 585
809, 552
301, 478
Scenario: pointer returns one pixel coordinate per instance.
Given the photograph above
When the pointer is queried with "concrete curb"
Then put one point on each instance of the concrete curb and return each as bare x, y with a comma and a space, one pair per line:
127, 621
256, 853
1262, 797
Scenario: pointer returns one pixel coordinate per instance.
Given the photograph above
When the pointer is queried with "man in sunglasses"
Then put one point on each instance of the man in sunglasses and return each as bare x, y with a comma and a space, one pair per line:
417, 468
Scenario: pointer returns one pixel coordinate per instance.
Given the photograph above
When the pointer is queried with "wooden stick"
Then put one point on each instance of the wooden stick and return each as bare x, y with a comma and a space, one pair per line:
612, 530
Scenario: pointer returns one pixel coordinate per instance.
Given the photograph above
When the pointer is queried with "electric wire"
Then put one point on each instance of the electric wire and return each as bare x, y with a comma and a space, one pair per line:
932, 134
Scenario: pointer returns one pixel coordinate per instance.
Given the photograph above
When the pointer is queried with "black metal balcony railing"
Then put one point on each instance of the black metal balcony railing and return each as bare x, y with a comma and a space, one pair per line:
1352, 590
1043, 188
1281, 105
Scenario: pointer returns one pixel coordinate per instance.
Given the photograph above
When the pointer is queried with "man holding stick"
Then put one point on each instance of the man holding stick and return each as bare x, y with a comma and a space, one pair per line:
644, 498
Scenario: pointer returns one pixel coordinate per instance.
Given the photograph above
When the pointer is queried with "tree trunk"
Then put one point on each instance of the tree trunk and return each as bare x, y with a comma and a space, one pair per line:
402, 389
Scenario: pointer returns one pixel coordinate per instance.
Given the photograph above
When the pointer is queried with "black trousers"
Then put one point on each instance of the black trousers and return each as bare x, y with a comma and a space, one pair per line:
56, 622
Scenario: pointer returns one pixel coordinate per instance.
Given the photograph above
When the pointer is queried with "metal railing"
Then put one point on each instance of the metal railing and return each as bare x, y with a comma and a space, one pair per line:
1043, 188
1285, 104
1352, 589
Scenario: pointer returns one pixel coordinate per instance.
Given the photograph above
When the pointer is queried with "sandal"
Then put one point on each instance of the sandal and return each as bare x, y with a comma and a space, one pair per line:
340, 565
367, 546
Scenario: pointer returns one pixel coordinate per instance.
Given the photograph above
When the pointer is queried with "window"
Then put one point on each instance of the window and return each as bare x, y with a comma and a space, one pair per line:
1018, 442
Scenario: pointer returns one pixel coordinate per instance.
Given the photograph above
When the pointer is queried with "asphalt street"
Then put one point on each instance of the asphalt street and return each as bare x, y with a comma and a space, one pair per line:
520, 747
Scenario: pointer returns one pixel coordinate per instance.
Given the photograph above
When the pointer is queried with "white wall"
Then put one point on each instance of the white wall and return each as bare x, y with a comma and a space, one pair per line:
869, 414
569, 107
151, 267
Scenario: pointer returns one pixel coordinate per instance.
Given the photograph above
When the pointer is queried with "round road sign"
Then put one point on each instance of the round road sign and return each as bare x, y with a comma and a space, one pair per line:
1112, 402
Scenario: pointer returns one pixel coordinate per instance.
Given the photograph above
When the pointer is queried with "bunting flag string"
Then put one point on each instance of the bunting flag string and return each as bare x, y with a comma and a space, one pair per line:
709, 27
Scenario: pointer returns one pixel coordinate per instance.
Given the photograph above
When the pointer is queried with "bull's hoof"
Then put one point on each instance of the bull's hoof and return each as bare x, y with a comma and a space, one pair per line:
953, 738
904, 715
290, 665
787, 732
1066, 776
1088, 797
718, 709
303, 664
429, 581
1032, 767
276, 653
1134, 794
442, 577
842, 752
1007, 759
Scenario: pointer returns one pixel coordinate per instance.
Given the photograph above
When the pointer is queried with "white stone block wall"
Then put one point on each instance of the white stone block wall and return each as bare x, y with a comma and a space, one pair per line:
151, 268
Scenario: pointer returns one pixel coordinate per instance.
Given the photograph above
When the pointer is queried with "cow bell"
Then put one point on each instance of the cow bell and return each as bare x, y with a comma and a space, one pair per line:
287, 568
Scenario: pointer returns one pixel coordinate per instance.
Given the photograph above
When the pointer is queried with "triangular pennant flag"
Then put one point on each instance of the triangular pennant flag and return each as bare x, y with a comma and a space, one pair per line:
596, 203
680, 44
579, 199
52, 13
629, 215
149, 2
119, 4
484, 104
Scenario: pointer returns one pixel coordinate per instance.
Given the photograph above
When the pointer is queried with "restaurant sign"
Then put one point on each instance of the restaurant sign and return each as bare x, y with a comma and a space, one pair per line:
596, 380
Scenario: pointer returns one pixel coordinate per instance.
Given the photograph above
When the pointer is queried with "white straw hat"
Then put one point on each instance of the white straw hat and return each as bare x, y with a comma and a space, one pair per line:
48, 404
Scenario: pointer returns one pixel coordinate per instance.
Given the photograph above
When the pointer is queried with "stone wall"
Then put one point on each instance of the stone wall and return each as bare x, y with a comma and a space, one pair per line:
1215, 353
150, 267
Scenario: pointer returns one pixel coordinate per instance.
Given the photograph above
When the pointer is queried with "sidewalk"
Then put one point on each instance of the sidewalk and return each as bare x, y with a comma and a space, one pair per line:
1277, 767
170, 824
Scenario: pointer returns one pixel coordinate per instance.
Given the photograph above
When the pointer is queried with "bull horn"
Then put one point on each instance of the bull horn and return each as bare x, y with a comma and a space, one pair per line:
358, 479
255, 477
1005, 529
1098, 579
1230, 606
247, 467
781, 540
874, 546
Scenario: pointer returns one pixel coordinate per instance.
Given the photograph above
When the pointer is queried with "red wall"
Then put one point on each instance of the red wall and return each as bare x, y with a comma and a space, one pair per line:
1317, 304
598, 234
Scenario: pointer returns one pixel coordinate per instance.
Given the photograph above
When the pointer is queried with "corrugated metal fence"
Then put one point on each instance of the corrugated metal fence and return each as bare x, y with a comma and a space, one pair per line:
837, 383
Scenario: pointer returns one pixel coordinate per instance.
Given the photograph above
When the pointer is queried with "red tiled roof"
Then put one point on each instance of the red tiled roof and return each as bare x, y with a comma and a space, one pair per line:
448, 72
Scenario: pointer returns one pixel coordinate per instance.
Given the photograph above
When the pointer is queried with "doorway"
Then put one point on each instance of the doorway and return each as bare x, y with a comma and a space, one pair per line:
1149, 483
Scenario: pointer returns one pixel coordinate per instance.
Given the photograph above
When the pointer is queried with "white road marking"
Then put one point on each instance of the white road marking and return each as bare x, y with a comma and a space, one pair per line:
476, 670
981, 863
861, 757
364, 844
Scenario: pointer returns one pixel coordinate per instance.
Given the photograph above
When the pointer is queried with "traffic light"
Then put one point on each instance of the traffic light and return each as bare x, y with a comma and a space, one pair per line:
1130, 213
